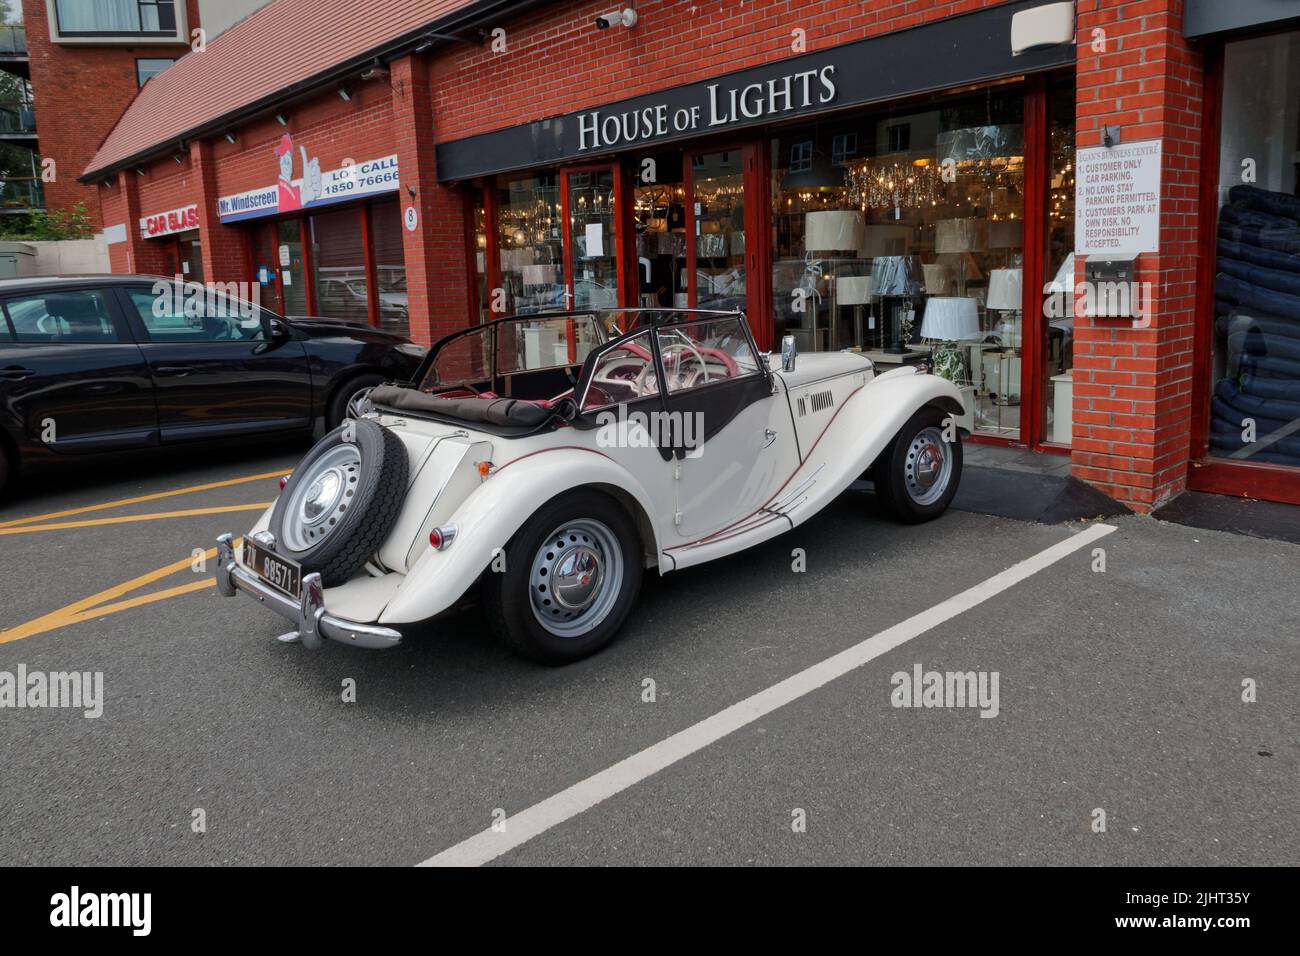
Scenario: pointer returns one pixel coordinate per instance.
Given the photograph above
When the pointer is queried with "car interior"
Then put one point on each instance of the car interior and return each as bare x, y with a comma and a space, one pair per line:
69, 317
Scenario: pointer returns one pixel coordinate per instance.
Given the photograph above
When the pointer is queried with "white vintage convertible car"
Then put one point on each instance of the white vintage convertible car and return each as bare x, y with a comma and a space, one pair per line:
543, 463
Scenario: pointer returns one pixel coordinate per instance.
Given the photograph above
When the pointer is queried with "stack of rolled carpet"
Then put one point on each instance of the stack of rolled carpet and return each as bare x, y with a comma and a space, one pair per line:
1257, 325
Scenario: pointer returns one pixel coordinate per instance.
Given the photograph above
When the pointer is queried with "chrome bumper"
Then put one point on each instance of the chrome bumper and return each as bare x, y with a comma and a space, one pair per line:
309, 616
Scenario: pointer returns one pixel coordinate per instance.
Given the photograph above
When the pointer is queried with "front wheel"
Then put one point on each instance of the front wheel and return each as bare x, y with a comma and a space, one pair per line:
916, 475
571, 576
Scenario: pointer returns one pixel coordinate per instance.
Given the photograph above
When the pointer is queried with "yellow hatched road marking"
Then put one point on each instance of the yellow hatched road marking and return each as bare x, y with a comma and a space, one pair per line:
128, 519
96, 606
122, 502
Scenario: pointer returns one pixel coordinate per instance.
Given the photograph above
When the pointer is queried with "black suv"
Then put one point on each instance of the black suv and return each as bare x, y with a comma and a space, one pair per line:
107, 364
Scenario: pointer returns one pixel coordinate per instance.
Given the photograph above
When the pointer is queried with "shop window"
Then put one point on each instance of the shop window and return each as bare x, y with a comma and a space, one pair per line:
483, 296
1058, 350
338, 264
1255, 397
718, 196
531, 243
660, 212
390, 266
869, 248
594, 231
293, 273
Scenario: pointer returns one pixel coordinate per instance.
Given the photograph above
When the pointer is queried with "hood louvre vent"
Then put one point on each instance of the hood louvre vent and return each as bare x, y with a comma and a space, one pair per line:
816, 402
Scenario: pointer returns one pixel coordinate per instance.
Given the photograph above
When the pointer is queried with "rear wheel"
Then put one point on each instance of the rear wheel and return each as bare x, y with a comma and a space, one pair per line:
572, 573
916, 476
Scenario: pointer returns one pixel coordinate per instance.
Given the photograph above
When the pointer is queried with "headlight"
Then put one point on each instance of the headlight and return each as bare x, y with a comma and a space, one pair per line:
413, 350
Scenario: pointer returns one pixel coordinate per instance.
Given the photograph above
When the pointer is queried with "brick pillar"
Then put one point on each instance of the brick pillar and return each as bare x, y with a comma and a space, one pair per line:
137, 254
1133, 385
436, 260
225, 253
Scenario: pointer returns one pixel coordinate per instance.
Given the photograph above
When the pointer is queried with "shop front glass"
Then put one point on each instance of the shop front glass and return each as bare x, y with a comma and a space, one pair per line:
530, 240
592, 234
901, 233
293, 276
660, 213
1058, 349
484, 298
718, 197
390, 266
1255, 397
338, 261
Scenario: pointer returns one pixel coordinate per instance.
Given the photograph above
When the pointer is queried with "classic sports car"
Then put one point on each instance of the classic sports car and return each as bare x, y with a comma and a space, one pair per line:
548, 461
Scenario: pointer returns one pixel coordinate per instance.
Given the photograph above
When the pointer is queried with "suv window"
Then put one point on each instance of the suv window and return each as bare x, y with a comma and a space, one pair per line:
75, 317
194, 313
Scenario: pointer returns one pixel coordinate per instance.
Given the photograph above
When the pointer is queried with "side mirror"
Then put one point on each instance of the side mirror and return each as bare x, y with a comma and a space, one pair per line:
788, 353
277, 329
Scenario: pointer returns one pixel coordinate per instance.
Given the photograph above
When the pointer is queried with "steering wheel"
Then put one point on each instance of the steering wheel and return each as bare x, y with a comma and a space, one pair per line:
674, 353
43, 325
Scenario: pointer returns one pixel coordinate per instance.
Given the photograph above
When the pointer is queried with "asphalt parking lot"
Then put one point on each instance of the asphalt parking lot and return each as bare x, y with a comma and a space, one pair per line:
1118, 690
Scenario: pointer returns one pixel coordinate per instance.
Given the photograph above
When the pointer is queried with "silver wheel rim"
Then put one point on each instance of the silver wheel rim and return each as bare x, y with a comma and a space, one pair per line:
576, 577
321, 497
928, 467
356, 404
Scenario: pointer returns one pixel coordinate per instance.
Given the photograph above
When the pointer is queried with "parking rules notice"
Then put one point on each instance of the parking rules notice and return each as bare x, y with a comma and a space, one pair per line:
1117, 199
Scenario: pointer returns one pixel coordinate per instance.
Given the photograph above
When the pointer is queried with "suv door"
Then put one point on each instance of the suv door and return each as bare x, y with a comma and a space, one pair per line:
217, 369
71, 376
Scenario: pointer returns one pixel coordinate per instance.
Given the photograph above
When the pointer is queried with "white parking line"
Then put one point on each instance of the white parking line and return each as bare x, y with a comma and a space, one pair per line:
522, 827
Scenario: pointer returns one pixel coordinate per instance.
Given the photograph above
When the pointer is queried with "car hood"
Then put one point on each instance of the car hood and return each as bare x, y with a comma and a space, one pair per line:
319, 328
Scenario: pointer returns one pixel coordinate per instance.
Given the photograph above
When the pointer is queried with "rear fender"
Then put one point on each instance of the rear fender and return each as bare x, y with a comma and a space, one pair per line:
496, 510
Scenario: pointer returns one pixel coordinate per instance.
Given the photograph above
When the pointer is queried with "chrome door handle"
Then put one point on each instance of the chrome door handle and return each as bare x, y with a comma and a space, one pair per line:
769, 436
178, 370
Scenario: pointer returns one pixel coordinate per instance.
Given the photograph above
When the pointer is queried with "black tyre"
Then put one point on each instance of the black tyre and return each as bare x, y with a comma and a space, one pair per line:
344, 403
572, 573
917, 474
342, 500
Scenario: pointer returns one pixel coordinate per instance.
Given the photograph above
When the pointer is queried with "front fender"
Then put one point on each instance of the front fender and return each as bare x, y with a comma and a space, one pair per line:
495, 511
889, 400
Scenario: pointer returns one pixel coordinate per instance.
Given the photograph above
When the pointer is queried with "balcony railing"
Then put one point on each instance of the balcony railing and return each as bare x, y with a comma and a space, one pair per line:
13, 41
20, 195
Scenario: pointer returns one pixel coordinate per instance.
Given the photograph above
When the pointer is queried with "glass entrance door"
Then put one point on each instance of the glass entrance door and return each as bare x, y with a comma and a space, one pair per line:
591, 242
715, 275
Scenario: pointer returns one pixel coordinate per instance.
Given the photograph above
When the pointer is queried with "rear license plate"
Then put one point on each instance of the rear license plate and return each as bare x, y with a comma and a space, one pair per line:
281, 573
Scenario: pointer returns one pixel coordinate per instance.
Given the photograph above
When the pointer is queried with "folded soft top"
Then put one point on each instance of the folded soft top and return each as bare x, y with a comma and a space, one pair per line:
502, 412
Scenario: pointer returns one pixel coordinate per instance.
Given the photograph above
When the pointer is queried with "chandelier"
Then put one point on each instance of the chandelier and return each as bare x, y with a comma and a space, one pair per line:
893, 184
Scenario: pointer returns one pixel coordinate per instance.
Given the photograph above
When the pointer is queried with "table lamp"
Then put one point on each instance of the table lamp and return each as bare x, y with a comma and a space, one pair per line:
1006, 295
949, 320
856, 291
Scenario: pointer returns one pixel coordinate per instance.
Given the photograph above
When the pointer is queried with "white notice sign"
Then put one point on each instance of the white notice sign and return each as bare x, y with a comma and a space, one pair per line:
1117, 199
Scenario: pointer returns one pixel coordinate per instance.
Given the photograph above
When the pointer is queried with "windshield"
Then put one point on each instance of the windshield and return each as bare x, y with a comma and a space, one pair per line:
522, 344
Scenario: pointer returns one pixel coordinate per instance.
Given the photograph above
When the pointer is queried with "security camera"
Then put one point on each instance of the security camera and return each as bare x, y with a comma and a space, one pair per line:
625, 17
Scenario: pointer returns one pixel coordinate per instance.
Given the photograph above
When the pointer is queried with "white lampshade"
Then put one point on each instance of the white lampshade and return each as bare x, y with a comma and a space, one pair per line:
833, 229
951, 319
1005, 287
940, 278
854, 290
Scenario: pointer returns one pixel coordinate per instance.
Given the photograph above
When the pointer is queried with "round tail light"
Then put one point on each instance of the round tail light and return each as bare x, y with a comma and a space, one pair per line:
284, 480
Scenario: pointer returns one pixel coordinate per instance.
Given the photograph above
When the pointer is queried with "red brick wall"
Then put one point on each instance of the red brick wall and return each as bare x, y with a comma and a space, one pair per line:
556, 61
80, 91
1133, 386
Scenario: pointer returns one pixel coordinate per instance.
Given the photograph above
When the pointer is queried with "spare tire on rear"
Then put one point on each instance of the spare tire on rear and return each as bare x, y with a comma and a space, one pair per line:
342, 501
